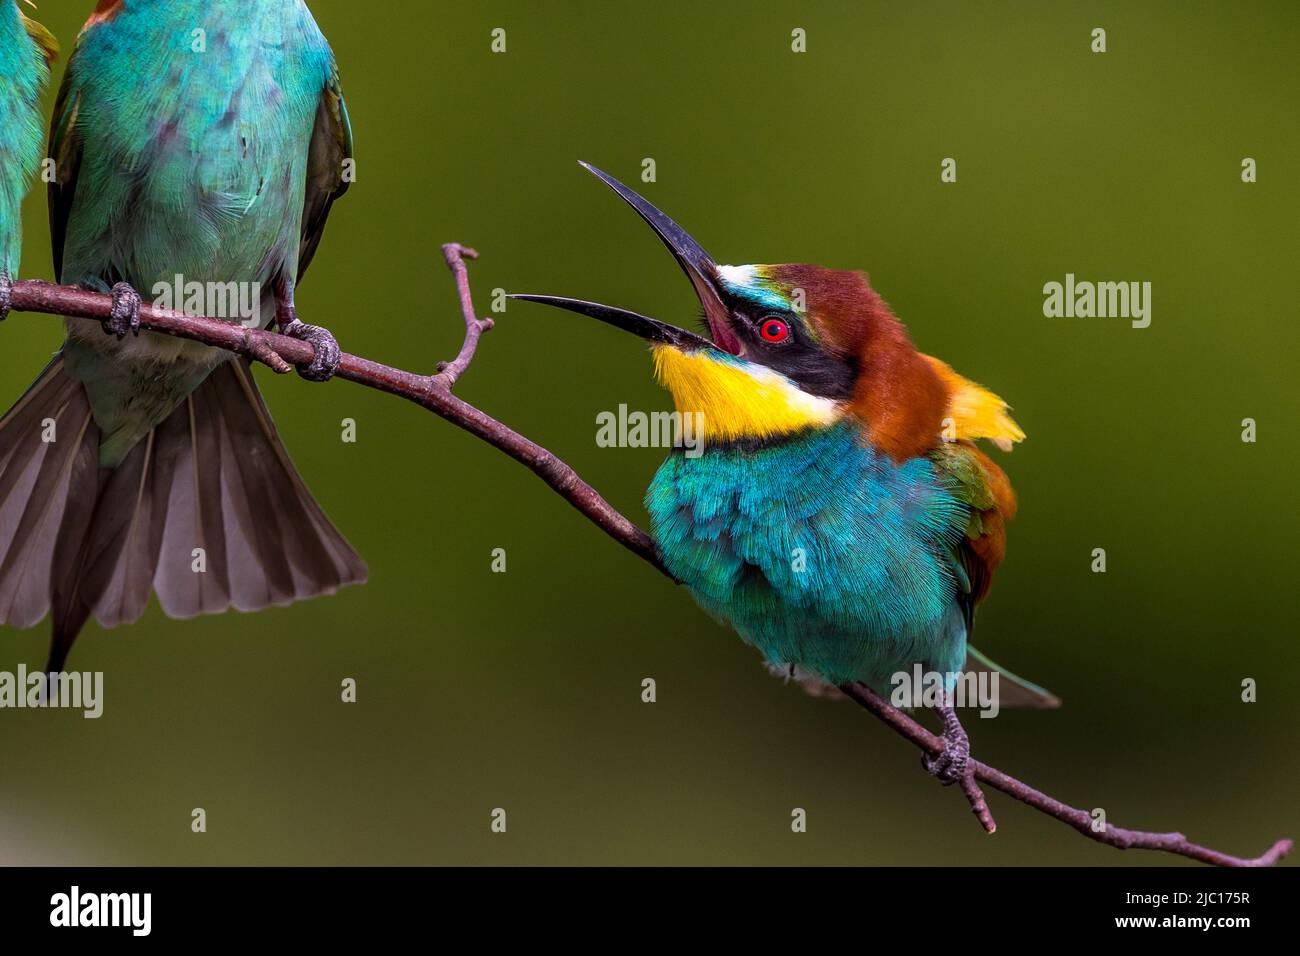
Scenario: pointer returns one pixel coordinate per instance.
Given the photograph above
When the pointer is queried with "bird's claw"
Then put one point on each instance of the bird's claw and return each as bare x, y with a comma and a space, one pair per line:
325, 362
950, 766
125, 316
6, 295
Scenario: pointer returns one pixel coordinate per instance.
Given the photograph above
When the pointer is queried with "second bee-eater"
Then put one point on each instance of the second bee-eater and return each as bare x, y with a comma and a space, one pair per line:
840, 516
198, 144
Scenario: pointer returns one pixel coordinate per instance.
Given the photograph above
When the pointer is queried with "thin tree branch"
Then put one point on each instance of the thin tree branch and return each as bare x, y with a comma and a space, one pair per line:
975, 797
427, 391
450, 372
1081, 820
433, 392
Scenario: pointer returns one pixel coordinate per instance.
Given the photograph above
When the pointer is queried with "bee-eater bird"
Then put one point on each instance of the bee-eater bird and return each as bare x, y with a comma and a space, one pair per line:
26, 49
840, 515
206, 141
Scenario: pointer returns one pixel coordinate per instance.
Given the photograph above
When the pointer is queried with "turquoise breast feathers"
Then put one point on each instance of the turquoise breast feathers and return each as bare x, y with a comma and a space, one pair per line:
820, 551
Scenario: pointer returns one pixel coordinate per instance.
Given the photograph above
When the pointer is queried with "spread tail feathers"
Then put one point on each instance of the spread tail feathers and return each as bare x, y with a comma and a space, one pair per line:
207, 511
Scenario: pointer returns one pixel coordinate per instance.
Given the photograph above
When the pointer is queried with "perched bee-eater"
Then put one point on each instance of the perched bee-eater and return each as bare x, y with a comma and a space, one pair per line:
840, 515
197, 144
26, 49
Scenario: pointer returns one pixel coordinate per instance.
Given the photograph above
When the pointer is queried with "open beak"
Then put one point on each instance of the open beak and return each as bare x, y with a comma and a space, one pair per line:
695, 262
652, 330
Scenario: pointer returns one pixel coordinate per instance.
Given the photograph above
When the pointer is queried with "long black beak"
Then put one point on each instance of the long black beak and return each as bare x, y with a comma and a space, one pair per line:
695, 262
652, 330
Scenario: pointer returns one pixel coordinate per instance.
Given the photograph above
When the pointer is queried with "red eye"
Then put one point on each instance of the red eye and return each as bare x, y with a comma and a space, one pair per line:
774, 330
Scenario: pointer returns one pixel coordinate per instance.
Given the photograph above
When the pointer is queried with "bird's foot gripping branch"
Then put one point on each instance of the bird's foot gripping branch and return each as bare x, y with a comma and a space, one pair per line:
434, 392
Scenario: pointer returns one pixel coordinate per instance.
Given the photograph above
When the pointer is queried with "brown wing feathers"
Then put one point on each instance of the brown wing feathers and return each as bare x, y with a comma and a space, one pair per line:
213, 476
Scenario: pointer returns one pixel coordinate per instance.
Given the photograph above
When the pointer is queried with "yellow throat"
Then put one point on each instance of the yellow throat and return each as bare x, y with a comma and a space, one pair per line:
738, 400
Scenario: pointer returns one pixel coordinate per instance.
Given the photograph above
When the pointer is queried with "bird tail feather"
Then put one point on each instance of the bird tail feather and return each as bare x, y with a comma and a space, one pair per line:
1013, 691
207, 511
48, 447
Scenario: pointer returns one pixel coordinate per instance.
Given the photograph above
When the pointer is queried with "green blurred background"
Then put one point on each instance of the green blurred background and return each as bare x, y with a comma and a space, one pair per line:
522, 690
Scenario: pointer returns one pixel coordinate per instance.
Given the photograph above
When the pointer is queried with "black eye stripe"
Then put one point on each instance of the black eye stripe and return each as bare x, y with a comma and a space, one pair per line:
797, 356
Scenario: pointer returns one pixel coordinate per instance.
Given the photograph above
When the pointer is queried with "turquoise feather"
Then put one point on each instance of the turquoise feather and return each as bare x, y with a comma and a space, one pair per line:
201, 148
23, 73
820, 551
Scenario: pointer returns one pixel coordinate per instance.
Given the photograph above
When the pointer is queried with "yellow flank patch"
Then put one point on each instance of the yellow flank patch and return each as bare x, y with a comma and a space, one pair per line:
44, 39
975, 411
739, 400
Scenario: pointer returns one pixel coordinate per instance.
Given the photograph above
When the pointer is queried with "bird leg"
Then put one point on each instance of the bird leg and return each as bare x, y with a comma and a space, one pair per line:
954, 765
949, 766
326, 360
6, 295
125, 316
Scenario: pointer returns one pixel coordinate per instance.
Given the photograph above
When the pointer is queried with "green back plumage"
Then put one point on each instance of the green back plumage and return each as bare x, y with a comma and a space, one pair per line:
198, 143
24, 71
193, 139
